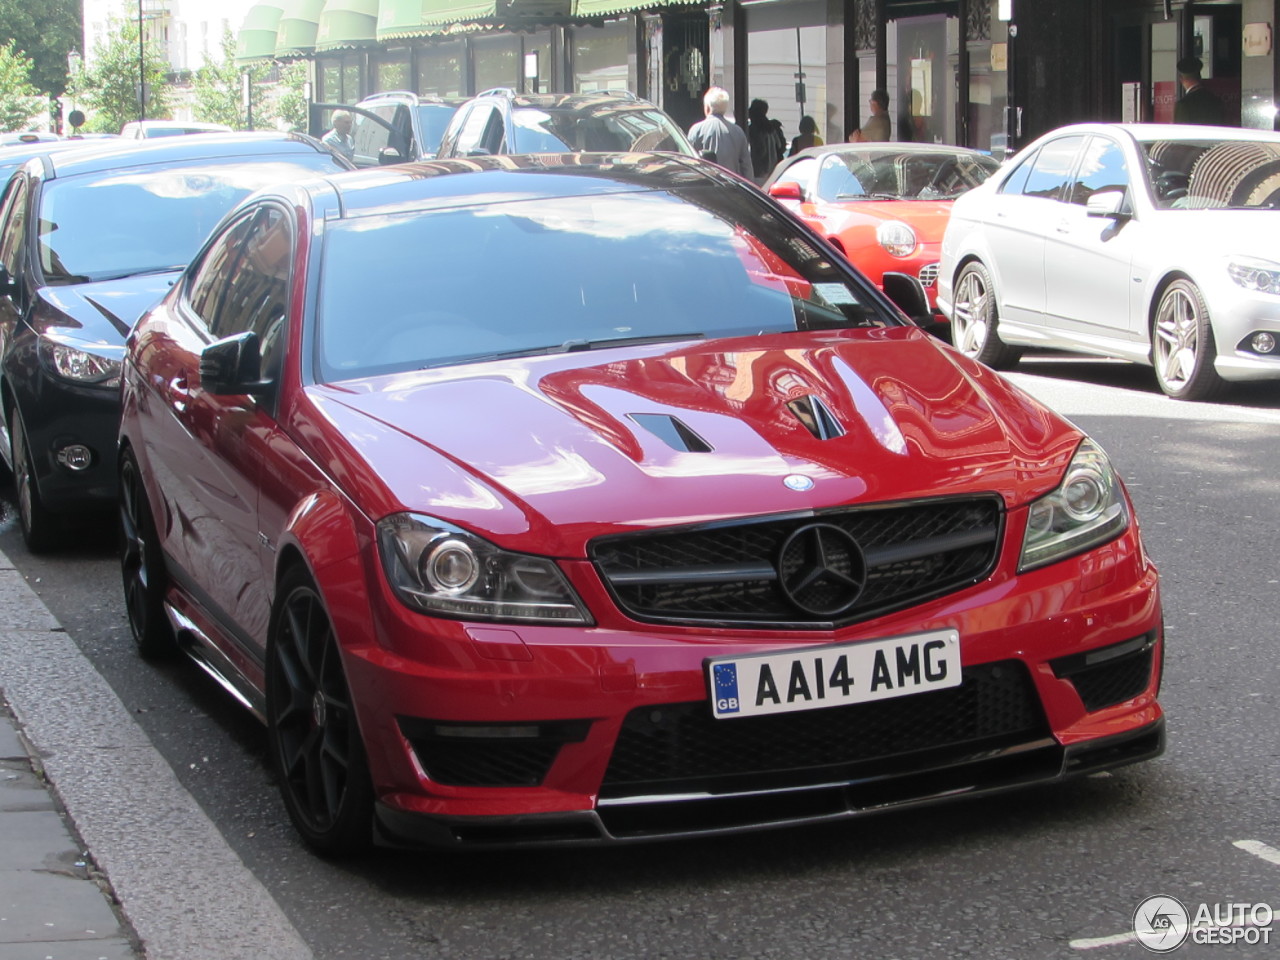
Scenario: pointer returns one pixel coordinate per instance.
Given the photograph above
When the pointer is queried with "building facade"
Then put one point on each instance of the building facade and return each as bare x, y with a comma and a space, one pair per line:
983, 73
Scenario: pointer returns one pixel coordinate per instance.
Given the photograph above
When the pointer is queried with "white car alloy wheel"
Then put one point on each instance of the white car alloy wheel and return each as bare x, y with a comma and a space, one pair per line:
1182, 347
974, 318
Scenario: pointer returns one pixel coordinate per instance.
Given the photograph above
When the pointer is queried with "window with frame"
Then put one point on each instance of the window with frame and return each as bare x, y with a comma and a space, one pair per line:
1102, 167
478, 135
1051, 172
13, 223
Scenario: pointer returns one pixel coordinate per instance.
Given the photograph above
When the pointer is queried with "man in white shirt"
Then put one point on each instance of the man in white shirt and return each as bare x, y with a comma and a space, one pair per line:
339, 138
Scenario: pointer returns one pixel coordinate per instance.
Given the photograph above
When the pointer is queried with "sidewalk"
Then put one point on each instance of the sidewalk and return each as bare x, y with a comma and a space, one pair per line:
50, 905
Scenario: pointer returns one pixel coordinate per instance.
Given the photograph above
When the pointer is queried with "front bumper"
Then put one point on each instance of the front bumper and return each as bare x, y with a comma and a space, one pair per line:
494, 735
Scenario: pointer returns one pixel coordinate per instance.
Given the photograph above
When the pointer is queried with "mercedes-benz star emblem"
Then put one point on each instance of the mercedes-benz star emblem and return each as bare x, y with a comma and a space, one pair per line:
821, 569
798, 482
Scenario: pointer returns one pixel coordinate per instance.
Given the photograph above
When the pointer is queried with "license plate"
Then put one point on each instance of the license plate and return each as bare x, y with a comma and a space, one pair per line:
816, 677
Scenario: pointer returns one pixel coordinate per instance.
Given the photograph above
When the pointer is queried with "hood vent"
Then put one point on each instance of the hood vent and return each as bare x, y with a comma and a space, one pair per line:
676, 435
817, 417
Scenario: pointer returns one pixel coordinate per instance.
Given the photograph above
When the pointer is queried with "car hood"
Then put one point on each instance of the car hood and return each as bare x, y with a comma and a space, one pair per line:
545, 453
927, 217
1244, 232
100, 312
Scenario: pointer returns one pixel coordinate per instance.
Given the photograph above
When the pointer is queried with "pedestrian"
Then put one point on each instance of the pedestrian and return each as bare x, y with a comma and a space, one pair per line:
768, 142
808, 136
339, 138
877, 125
1199, 104
719, 139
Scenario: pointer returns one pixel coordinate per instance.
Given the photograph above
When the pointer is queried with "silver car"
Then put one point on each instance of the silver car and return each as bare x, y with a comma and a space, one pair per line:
1158, 244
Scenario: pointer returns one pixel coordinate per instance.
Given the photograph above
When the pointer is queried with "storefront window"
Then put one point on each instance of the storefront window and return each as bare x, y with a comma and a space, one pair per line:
440, 69
497, 62
391, 71
535, 71
600, 57
330, 82
787, 65
983, 120
351, 88
923, 57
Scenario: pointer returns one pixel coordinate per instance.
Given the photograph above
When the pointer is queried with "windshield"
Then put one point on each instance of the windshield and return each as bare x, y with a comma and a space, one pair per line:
143, 219
901, 175
601, 130
1196, 174
529, 277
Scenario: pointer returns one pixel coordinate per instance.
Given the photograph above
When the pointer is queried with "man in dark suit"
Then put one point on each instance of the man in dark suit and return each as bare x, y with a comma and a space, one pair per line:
1199, 104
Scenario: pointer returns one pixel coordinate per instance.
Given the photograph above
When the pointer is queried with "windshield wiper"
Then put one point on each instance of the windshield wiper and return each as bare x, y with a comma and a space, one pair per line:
574, 346
867, 196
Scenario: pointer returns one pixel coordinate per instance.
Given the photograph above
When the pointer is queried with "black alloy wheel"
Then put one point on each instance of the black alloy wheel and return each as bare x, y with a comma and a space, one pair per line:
142, 567
39, 525
975, 319
311, 725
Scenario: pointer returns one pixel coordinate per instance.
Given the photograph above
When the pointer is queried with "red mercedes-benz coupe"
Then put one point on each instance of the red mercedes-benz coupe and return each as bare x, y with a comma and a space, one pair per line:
536, 502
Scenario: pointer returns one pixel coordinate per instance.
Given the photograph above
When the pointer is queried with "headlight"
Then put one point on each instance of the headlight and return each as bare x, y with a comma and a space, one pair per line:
440, 569
1087, 509
897, 238
1262, 276
101, 369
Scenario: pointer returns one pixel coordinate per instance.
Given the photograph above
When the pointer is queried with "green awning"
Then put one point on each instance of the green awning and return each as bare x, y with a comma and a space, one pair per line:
347, 23
299, 20
606, 8
257, 37
437, 13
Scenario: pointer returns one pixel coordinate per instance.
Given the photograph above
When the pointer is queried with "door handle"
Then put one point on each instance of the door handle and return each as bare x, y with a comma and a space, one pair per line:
1064, 226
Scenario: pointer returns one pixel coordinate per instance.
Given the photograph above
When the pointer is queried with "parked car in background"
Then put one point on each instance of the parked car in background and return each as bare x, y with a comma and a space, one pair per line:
1150, 243
89, 238
501, 121
148, 129
560, 499
394, 126
13, 155
885, 207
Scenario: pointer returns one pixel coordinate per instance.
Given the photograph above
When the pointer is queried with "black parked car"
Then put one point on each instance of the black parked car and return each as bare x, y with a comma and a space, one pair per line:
89, 238
502, 121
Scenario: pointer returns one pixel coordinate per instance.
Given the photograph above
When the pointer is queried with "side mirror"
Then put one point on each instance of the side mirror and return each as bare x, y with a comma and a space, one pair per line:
1106, 204
388, 155
233, 366
786, 190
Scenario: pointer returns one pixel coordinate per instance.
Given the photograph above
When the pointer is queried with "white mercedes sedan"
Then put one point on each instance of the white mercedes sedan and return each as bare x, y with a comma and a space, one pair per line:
1158, 244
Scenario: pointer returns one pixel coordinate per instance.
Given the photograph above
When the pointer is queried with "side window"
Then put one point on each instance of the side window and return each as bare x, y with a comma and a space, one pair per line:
13, 223
1101, 168
210, 283
481, 133
802, 172
449, 140
1051, 172
1017, 180
369, 136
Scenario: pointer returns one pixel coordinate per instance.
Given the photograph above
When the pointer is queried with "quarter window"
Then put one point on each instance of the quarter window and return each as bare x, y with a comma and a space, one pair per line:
1051, 172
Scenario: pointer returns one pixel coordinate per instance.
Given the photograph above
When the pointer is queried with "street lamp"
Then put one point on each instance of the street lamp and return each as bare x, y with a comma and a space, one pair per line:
142, 69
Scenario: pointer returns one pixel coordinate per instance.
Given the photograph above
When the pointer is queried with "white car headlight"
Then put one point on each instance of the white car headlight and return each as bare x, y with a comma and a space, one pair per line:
441, 569
1251, 273
99, 367
897, 238
1087, 509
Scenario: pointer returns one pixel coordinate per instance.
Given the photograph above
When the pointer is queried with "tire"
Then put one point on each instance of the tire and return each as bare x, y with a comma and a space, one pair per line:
975, 320
40, 527
313, 735
1182, 345
142, 569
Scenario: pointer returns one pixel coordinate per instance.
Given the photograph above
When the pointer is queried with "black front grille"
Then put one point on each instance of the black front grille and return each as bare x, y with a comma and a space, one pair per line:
680, 747
729, 572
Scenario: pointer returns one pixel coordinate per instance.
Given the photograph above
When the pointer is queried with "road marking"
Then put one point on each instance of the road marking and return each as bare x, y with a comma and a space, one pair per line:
1259, 849
1092, 943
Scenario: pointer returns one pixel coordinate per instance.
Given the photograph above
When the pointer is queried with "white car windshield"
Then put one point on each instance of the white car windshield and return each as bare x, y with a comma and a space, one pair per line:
1206, 174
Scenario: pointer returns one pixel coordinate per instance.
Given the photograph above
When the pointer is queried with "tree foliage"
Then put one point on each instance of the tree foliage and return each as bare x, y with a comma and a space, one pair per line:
107, 90
20, 102
218, 95
291, 100
46, 30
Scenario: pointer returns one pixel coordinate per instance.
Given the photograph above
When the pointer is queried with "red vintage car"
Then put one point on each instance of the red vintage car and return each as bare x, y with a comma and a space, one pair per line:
885, 206
532, 502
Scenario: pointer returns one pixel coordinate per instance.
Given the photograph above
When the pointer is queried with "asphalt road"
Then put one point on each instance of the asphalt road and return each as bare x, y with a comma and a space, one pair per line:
1045, 873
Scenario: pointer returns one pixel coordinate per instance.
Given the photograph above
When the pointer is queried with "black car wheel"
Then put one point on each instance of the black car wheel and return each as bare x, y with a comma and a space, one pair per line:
142, 565
39, 525
1182, 347
311, 724
975, 320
